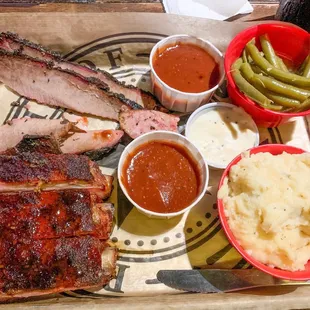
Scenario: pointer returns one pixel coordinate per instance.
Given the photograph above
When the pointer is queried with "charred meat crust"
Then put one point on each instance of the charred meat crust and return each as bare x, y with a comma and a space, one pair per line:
103, 86
53, 241
52, 265
34, 171
150, 99
34, 143
54, 214
34, 167
23, 42
117, 100
99, 154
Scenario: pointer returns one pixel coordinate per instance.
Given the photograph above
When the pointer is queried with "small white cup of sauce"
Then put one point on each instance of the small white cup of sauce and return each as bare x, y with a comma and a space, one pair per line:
162, 174
221, 131
185, 72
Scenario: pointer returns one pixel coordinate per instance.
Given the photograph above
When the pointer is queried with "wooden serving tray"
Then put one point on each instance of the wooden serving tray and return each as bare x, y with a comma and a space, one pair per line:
69, 32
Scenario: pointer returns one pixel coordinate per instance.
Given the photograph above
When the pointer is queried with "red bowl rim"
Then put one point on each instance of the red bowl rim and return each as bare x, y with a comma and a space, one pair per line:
279, 273
232, 82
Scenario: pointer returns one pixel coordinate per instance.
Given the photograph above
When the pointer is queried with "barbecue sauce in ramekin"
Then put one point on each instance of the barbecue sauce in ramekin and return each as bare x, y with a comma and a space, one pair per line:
161, 177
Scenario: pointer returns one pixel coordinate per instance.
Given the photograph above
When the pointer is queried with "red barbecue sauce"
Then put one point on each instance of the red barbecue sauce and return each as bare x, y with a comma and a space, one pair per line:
161, 177
102, 135
187, 68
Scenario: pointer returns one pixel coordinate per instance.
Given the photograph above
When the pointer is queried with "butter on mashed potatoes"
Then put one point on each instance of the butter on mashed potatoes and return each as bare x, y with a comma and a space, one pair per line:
267, 204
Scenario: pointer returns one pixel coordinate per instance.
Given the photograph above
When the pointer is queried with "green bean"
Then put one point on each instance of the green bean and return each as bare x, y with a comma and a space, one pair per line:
286, 77
246, 88
281, 88
304, 106
257, 69
270, 54
250, 60
303, 65
248, 74
282, 65
283, 101
269, 51
236, 65
252, 41
306, 71
244, 56
278, 99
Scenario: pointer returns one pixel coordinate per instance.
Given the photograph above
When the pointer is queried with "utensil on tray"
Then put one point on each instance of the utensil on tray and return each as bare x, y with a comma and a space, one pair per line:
220, 280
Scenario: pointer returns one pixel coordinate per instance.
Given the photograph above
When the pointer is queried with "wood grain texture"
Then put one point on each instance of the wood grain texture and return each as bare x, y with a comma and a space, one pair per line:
283, 298
261, 11
263, 1
83, 7
119, 1
129, 1
78, 1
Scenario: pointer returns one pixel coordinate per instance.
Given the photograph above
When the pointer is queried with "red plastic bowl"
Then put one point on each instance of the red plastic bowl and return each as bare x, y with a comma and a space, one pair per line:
274, 149
290, 42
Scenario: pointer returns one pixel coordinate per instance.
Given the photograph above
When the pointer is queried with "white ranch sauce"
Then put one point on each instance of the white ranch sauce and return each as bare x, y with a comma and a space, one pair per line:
222, 133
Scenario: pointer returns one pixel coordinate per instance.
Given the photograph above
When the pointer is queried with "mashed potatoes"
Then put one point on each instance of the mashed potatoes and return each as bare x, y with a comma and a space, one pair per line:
267, 204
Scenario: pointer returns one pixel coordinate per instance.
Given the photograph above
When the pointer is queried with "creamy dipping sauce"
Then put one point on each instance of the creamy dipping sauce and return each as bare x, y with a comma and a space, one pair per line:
222, 133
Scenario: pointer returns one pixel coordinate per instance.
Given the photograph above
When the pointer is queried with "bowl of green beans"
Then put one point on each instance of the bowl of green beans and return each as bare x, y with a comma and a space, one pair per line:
268, 72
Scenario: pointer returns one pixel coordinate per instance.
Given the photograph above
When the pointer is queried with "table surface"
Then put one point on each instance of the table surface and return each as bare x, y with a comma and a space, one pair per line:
263, 9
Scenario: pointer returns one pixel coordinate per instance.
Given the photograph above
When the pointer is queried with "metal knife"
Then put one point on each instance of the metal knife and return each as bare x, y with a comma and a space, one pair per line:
220, 280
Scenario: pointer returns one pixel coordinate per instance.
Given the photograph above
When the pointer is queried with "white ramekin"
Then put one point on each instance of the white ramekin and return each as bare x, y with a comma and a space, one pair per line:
174, 99
211, 106
173, 138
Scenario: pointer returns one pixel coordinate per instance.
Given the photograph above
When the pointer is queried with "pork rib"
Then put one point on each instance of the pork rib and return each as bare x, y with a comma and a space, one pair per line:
37, 267
53, 214
12, 43
30, 171
136, 123
40, 81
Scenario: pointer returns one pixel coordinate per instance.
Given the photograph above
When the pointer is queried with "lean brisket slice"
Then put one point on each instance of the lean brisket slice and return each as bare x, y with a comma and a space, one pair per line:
12, 43
24, 134
136, 123
41, 81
